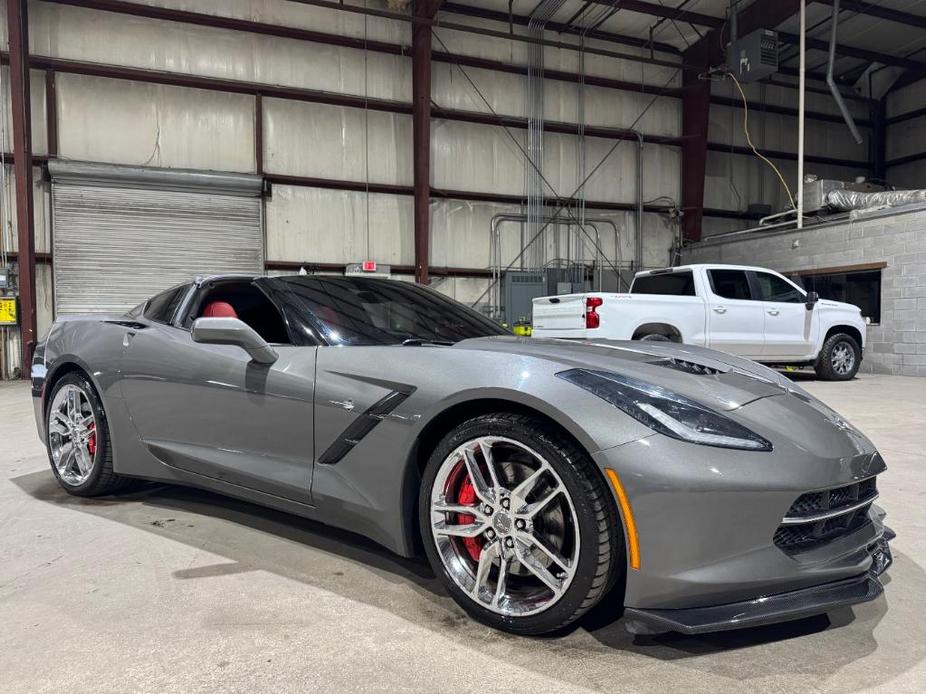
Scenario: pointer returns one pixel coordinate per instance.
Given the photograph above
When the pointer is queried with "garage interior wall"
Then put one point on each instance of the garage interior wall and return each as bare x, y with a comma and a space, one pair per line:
364, 210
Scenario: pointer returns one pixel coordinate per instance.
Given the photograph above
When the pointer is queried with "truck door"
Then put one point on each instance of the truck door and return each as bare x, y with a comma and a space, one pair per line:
736, 320
787, 321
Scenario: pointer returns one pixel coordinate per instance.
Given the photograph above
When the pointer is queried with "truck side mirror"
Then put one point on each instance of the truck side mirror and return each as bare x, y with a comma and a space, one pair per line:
812, 298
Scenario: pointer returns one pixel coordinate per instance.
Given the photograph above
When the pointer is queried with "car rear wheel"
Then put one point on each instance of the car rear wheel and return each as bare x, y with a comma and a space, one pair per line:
839, 359
518, 524
79, 447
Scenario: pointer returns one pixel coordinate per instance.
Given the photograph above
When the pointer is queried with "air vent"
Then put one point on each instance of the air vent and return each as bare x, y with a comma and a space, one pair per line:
686, 366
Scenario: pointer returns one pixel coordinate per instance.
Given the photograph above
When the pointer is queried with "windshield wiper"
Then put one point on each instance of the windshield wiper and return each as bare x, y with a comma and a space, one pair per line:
417, 342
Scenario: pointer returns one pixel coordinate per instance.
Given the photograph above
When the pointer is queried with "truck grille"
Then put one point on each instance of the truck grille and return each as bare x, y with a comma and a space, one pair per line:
819, 517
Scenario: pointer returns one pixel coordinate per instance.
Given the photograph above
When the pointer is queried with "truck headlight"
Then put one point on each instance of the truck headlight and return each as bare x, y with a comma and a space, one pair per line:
666, 412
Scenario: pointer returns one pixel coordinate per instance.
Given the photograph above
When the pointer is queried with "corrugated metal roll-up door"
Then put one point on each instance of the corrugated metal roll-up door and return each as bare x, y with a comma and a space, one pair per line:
122, 234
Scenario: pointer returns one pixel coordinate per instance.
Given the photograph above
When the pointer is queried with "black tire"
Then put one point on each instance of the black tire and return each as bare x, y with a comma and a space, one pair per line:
654, 337
601, 556
835, 344
101, 480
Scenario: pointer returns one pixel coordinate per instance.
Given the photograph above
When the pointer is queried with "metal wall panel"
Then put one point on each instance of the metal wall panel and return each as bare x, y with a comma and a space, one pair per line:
116, 246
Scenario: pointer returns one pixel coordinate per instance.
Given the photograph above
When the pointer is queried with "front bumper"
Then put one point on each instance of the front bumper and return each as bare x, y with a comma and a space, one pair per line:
768, 609
706, 521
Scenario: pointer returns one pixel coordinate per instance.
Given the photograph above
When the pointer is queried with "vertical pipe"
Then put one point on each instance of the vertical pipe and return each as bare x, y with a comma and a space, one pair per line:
421, 136
259, 134
638, 251
51, 113
18, 27
800, 116
831, 80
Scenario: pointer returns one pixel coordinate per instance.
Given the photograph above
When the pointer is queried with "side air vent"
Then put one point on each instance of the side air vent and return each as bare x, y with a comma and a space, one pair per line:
687, 367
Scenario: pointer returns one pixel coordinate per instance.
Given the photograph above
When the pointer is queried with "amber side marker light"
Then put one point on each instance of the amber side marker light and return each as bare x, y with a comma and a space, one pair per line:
629, 523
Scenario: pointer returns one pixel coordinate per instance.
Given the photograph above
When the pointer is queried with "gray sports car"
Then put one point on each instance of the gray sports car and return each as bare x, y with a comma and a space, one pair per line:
693, 489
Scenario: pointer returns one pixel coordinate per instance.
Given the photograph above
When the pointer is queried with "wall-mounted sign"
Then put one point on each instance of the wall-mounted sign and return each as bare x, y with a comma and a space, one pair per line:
9, 310
370, 268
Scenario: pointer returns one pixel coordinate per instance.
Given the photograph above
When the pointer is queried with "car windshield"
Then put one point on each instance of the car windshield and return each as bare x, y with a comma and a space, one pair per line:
368, 311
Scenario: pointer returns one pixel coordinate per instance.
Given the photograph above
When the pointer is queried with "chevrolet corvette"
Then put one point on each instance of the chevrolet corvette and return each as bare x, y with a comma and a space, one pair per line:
692, 490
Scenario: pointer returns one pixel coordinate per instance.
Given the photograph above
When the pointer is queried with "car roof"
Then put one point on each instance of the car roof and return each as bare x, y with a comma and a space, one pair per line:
699, 266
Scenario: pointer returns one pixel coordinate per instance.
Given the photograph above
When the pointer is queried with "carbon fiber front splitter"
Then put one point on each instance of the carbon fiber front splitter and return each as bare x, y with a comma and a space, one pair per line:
768, 609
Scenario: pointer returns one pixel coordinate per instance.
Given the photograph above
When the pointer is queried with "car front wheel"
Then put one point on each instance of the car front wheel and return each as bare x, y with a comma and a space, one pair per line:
518, 524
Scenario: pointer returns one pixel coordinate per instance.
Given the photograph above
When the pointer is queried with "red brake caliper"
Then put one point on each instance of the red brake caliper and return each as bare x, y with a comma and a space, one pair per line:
91, 442
467, 497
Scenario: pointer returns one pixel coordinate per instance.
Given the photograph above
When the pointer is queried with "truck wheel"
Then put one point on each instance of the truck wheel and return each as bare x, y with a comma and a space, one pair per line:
654, 337
839, 358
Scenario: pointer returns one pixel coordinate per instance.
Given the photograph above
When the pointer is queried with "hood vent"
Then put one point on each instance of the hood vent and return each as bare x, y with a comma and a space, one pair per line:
687, 366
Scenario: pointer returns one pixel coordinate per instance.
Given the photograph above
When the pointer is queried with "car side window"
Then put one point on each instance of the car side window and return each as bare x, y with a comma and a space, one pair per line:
667, 284
730, 284
161, 308
773, 288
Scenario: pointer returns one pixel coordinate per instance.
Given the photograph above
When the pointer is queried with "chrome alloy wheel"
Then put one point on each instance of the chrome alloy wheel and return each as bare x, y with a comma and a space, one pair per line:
72, 435
505, 526
843, 358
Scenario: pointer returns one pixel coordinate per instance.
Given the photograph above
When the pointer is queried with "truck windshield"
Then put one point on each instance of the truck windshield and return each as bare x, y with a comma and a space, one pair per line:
670, 283
368, 311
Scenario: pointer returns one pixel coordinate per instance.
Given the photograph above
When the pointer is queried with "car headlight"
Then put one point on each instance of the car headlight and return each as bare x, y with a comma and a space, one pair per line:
666, 412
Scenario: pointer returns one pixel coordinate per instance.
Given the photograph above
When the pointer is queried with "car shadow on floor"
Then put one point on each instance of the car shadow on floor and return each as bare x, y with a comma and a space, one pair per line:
289, 545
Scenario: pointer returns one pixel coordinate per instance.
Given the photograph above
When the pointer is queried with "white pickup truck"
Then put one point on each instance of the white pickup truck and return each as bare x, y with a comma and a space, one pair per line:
748, 311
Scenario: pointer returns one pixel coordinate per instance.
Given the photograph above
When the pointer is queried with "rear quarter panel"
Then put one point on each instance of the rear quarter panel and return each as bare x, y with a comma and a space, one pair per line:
92, 344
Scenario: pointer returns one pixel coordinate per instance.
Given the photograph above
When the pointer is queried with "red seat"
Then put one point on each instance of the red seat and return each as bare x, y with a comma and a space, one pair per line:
219, 309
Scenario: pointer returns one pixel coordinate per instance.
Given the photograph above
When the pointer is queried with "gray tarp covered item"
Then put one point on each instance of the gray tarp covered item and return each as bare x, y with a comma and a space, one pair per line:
850, 200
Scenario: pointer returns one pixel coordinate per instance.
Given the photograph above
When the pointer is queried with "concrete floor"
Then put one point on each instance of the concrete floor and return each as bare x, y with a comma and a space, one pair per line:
173, 590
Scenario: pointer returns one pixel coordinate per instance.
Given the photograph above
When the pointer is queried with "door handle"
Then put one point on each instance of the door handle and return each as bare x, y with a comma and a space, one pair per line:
773, 312
720, 309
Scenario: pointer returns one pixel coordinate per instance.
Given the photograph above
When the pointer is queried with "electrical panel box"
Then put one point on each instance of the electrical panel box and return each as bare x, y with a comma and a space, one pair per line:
520, 290
5, 279
754, 56
9, 310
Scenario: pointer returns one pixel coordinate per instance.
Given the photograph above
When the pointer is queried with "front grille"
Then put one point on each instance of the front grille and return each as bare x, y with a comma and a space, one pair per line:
818, 517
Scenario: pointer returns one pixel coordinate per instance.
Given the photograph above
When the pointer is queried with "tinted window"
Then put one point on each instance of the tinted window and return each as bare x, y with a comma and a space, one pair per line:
860, 288
162, 308
364, 311
730, 284
773, 288
673, 284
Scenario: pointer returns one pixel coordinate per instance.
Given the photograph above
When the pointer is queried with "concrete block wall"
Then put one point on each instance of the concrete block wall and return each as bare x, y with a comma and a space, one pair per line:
897, 345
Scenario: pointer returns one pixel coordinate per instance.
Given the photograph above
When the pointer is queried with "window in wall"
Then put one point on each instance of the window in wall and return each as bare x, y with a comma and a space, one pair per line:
860, 288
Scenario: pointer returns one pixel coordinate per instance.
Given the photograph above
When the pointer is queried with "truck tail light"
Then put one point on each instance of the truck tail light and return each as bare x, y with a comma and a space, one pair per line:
592, 319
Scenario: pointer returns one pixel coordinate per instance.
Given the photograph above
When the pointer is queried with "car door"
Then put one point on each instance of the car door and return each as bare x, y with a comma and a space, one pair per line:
788, 323
736, 321
212, 411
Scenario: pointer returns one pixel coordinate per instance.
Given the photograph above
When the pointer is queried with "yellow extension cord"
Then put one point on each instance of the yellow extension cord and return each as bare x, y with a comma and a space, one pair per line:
753, 147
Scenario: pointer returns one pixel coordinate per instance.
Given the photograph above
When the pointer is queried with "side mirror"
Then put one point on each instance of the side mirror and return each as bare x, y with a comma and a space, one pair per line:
231, 331
812, 298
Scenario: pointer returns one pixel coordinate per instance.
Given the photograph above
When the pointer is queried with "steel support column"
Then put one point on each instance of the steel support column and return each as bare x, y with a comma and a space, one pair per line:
421, 134
878, 140
696, 100
696, 104
18, 27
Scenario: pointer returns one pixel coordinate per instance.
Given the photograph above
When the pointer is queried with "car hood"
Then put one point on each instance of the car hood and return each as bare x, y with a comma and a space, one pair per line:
713, 378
